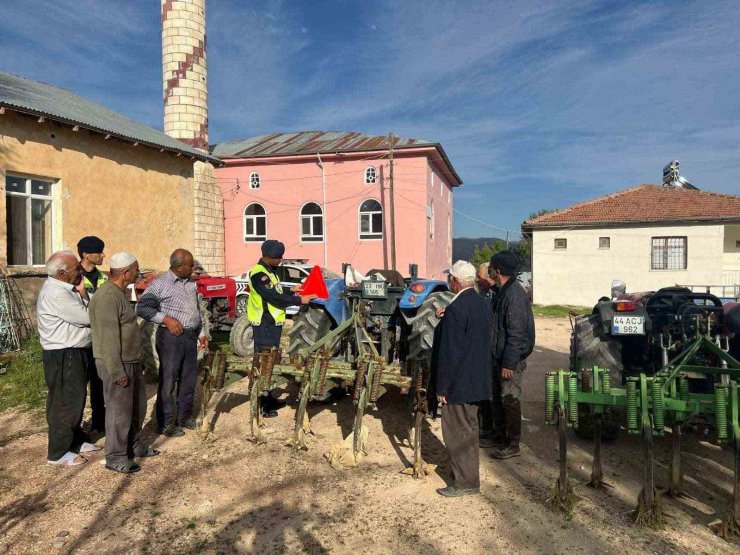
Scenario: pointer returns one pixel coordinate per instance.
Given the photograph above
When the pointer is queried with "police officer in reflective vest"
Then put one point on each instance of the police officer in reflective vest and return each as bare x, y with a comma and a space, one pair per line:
266, 307
91, 254
91, 249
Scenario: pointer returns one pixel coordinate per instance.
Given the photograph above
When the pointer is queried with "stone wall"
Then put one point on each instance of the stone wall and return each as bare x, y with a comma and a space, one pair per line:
208, 226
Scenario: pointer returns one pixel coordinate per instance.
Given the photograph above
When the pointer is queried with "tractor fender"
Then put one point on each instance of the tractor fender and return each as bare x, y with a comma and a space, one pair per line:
334, 305
416, 294
606, 310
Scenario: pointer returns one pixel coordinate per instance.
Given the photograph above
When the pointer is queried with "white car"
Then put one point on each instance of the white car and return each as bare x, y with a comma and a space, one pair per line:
290, 273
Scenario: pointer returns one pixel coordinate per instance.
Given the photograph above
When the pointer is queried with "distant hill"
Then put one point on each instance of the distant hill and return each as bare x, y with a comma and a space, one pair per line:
464, 247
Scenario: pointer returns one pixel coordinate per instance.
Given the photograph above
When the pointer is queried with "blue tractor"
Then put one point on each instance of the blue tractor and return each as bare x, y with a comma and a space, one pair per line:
399, 314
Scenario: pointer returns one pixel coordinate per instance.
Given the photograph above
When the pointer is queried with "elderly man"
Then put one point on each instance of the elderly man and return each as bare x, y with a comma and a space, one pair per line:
171, 301
64, 331
91, 249
117, 351
512, 343
463, 377
484, 282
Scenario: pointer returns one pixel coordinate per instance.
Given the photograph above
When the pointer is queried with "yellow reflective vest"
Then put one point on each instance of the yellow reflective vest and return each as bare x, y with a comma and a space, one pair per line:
255, 304
102, 278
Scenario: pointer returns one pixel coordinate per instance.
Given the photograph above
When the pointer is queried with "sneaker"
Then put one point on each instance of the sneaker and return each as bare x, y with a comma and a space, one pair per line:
269, 413
172, 431
506, 452
451, 491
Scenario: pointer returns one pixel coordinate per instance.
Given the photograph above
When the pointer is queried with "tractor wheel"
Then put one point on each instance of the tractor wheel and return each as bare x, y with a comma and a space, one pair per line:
590, 347
241, 305
309, 325
241, 337
423, 324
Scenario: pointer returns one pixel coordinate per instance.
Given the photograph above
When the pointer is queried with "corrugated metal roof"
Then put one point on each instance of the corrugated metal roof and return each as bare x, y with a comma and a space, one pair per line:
313, 142
644, 204
36, 98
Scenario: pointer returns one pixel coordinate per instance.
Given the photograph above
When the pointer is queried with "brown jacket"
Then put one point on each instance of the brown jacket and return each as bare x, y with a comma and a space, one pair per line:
115, 333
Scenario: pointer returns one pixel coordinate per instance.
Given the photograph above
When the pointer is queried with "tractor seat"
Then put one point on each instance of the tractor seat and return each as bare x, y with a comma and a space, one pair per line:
393, 277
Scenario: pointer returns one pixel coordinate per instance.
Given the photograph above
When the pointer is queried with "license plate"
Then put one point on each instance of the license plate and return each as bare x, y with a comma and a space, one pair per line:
373, 289
628, 325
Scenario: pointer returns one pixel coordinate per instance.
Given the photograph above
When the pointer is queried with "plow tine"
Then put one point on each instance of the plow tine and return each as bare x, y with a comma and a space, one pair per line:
562, 498
676, 472
597, 473
649, 511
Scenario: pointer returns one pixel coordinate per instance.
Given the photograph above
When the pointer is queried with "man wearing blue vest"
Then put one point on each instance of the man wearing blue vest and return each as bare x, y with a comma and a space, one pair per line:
266, 307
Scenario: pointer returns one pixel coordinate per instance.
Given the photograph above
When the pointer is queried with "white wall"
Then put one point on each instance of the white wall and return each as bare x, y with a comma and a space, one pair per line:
582, 273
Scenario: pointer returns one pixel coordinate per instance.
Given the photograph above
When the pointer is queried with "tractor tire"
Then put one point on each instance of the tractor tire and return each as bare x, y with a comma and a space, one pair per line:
309, 325
590, 347
241, 337
423, 324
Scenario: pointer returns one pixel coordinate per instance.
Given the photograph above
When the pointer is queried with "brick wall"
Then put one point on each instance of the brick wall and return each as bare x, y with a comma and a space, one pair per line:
209, 220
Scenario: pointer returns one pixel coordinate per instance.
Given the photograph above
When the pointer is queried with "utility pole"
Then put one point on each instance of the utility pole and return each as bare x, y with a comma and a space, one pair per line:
507, 240
391, 138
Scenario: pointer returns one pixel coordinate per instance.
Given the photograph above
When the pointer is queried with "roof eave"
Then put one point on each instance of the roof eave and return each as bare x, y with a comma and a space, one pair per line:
52, 117
528, 226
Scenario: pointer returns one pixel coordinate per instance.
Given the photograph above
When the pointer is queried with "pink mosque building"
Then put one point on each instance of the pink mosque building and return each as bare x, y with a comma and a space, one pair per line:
326, 195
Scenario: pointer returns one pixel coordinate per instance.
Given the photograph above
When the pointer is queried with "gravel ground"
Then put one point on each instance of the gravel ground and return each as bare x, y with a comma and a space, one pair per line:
227, 495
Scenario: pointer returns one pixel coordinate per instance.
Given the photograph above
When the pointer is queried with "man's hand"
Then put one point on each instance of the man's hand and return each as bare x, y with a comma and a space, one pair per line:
305, 299
203, 343
173, 325
442, 399
296, 288
507, 374
440, 312
123, 382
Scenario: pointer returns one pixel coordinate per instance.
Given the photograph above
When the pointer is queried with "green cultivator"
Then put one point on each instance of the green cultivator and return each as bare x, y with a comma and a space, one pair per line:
697, 386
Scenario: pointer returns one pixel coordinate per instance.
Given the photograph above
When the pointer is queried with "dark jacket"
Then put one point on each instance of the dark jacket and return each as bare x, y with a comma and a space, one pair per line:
262, 284
463, 360
513, 326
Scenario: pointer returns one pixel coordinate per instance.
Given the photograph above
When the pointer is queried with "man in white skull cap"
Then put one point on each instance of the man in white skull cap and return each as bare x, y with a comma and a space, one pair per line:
117, 352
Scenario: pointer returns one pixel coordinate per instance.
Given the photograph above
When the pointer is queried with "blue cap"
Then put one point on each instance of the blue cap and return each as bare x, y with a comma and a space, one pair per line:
273, 249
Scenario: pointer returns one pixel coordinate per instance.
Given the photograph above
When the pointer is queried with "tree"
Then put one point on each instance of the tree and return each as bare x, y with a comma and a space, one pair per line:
539, 213
483, 254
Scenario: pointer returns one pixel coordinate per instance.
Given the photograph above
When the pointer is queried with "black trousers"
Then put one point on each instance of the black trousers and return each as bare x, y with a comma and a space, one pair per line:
178, 370
65, 371
266, 336
97, 398
126, 412
460, 434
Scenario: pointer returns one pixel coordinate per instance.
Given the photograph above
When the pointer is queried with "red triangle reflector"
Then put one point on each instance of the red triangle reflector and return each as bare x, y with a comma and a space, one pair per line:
315, 284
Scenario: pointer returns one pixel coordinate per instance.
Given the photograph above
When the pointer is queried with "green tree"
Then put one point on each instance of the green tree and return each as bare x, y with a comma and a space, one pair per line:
483, 254
539, 213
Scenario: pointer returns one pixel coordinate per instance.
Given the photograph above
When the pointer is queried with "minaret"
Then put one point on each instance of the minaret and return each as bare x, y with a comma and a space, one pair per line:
185, 85
184, 74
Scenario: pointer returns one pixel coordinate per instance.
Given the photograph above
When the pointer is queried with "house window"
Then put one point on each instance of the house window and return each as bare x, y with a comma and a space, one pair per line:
370, 176
255, 223
312, 222
668, 253
604, 242
430, 217
28, 207
371, 220
254, 180
561, 243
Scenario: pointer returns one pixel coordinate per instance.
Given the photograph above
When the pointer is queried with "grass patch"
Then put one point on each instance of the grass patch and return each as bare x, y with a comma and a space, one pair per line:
23, 384
559, 310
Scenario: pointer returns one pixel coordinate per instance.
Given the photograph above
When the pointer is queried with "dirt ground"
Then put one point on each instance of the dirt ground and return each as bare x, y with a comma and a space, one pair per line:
227, 495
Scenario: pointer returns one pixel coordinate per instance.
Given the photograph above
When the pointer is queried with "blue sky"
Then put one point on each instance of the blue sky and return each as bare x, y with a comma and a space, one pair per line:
539, 105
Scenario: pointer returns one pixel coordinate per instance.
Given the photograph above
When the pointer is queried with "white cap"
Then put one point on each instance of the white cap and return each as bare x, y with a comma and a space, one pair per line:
121, 260
462, 270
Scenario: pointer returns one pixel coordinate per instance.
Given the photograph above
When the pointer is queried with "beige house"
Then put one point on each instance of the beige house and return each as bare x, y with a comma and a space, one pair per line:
648, 236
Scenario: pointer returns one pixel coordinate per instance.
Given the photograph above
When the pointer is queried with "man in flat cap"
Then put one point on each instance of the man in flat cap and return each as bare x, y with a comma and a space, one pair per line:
117, 352
463, 376
91, 249
172, 301
266, 307
512, 343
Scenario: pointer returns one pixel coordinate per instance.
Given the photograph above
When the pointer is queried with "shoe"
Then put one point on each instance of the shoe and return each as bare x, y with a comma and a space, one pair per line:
269, 413
189, 424
451, 491
128, 467
506, 452
487, 442
172, 431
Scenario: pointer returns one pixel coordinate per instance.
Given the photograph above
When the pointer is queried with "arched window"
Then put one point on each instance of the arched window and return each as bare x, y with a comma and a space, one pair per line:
370, 176
255, 223
312, 222
371, 220
254, 180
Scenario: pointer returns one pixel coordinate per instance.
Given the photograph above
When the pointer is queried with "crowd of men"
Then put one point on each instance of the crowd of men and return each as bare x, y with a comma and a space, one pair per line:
90, 334
479, 356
